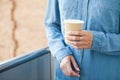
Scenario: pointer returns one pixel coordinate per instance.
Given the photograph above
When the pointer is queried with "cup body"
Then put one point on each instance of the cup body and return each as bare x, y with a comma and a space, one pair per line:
73, 25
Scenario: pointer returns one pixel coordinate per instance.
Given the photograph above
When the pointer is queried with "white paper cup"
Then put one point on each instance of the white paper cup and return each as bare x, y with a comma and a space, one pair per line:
73, 25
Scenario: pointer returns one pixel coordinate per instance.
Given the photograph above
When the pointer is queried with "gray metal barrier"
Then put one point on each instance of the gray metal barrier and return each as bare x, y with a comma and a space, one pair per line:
38, 65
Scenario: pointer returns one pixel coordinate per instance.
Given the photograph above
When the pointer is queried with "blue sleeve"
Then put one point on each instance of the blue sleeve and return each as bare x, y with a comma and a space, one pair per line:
56, 42
108, 43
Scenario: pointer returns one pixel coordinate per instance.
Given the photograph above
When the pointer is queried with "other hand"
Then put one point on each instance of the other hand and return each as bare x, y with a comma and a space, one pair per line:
66, 66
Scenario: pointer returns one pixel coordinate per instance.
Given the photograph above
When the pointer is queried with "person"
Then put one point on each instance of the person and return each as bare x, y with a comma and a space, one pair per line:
94, 52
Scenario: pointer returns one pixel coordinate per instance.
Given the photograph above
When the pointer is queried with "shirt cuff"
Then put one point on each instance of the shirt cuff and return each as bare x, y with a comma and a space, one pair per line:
63, 53
98, 40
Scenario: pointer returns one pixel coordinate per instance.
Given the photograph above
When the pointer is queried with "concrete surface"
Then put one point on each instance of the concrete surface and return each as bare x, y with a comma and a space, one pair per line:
21, 27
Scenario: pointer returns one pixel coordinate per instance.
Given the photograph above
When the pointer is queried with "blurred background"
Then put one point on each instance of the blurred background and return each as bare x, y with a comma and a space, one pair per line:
22, 27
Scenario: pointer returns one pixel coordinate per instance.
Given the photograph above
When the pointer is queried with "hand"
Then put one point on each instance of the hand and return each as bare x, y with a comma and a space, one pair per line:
66, 66
80, 39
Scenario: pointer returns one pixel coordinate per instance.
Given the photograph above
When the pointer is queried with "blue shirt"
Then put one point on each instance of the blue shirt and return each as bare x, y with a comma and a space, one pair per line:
102, 19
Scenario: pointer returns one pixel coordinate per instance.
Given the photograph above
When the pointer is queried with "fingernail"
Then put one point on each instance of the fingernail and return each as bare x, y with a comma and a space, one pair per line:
79, 76
78, 69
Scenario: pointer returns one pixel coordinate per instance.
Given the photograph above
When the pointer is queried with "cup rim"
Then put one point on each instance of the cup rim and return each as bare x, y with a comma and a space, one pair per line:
73, 21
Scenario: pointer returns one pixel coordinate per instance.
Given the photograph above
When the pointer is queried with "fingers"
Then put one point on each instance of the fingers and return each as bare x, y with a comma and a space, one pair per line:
79, 39
74, 38
76, 33
71, 72
75, 64
67, 68
78, 43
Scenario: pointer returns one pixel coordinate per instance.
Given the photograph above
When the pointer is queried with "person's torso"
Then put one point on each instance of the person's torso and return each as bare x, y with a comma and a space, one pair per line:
99, 15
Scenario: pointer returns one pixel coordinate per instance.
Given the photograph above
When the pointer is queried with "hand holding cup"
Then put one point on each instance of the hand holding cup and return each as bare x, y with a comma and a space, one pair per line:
75, 36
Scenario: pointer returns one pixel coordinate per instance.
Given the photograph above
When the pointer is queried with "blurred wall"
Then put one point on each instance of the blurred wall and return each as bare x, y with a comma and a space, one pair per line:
21, 27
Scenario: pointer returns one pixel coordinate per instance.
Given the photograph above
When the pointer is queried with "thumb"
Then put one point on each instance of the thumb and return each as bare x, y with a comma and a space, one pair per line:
74, 64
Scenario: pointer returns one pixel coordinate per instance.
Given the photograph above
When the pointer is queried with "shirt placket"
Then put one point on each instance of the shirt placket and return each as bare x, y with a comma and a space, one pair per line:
85, 12
85, 5
84, 17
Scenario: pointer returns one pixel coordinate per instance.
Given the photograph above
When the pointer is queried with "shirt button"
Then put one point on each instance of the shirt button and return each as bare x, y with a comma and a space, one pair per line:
80, 52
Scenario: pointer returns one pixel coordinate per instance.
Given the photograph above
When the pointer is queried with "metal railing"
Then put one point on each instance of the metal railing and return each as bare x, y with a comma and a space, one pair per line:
37, 65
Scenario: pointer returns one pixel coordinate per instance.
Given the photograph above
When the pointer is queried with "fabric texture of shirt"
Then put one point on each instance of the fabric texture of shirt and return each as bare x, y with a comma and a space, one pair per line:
102, 19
